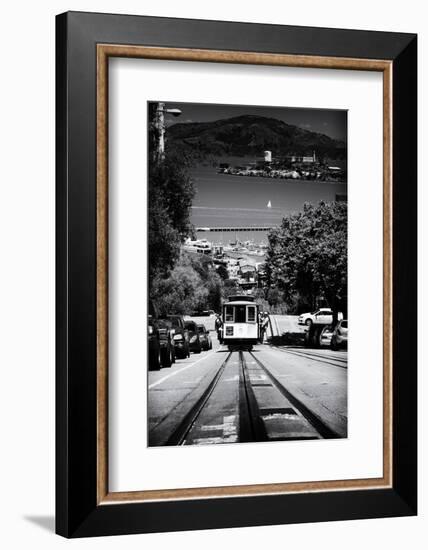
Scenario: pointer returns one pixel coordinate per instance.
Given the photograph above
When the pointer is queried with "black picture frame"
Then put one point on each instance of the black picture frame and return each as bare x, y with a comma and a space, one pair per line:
78, 513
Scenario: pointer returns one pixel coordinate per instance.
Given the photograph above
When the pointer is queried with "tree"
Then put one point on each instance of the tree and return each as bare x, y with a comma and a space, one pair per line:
273, 297
164, 239
192, 285
231, 287
181, 292
222, 272
170, 198
214, 285
307, 255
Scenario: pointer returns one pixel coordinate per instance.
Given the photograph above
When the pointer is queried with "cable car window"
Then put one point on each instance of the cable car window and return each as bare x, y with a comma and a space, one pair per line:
251, 314
240, 314
228, 314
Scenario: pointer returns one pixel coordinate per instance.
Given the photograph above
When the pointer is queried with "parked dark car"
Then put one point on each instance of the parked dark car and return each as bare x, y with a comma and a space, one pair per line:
154, 345
161, 347
194, 341
180, 336
166, 342
204, 337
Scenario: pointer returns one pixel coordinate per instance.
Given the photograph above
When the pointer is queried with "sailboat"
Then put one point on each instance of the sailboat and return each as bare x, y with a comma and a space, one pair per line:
269, 205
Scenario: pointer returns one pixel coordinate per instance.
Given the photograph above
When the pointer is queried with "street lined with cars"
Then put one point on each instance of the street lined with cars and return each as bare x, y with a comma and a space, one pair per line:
269, 393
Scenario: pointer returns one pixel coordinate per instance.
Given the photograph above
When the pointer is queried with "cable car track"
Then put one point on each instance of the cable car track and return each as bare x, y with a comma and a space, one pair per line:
321, 427
251, 424
179, 435
317, 357
332, 355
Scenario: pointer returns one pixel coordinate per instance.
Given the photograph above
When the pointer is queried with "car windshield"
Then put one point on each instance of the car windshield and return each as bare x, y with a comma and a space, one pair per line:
344, 324
201, 330
191, 326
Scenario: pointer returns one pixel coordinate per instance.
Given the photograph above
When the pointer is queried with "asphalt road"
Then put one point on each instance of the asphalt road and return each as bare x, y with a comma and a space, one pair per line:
271, 393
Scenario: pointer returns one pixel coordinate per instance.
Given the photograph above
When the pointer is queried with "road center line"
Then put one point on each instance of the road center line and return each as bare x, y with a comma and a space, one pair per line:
175, 372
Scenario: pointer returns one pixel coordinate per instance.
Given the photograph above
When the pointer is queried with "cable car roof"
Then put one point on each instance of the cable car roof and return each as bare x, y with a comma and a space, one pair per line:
240, 303
240, 298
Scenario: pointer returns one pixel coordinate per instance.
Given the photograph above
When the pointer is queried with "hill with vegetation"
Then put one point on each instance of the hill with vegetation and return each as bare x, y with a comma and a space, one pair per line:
251, 135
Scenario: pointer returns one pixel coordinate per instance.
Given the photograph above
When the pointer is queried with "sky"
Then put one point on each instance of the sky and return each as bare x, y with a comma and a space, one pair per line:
332, 123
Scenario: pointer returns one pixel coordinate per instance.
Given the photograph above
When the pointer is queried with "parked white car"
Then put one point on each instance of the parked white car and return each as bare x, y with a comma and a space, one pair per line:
322, 316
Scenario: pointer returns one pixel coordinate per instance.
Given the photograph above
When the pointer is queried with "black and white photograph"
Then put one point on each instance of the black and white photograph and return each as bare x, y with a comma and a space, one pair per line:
247, 256
198, 198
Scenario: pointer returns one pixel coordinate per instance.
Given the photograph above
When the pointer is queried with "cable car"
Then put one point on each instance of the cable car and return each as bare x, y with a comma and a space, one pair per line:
240, 322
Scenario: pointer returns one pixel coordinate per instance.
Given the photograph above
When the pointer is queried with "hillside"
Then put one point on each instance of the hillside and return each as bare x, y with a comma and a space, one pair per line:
251, 135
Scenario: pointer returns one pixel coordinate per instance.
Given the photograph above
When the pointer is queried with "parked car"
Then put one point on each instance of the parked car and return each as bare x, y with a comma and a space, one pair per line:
155, 361
322, 316
325, 336
194, 341
339, 337
180, 336
161, 346
166, 342
204, 337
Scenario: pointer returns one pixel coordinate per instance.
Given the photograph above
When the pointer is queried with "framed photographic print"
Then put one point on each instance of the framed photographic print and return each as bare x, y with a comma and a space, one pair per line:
236, 274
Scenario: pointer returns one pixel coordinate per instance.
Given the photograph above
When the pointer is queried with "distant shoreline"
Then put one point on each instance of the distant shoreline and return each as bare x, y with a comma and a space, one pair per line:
288, 180
202, 169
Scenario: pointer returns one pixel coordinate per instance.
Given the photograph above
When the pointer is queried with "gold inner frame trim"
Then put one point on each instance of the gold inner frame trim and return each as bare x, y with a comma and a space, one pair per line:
104, 52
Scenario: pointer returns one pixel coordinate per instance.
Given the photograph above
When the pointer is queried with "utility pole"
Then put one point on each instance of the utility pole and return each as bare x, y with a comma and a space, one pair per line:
160, 127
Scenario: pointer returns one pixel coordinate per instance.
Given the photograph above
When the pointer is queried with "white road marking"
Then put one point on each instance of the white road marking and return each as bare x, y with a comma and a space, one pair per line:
233, 379
230, 434
212, 427
278, 416
257, 377
208, 441
229, 428
175, 372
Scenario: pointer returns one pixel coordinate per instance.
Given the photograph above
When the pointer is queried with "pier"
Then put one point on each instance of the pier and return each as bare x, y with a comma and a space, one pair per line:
235, 229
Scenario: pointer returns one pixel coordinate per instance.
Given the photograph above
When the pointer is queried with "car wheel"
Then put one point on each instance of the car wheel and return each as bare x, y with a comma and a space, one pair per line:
155, 360
166, 357
308, 322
